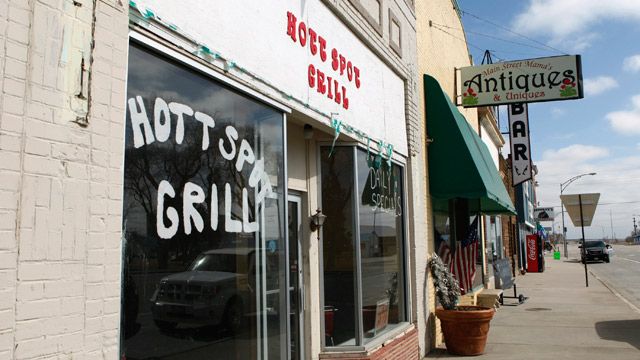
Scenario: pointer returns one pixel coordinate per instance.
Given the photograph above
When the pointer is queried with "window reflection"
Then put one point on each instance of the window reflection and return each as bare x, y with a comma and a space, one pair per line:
381, 234
203, 174
454, 221
379, 205
338, 245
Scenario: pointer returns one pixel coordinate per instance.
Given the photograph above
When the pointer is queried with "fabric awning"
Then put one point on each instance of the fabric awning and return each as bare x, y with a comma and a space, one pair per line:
460, 164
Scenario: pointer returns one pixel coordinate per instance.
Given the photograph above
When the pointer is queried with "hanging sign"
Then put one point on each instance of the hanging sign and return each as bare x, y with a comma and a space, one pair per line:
543, 214
533, 80
580, 207
520, 146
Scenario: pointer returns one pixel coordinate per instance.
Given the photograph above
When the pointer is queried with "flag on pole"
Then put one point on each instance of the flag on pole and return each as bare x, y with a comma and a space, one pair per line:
464, 259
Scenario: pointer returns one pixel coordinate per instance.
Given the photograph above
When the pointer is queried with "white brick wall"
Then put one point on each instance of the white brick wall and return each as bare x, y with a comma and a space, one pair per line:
60, 183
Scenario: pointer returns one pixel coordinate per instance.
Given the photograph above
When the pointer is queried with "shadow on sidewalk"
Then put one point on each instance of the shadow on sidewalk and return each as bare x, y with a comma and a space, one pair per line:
620, 330
572, 261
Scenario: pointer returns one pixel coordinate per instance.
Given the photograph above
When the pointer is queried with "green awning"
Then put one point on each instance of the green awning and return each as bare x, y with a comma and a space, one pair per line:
460, 164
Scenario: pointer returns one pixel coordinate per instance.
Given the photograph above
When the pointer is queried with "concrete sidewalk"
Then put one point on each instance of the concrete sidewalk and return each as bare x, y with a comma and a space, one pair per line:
562, 319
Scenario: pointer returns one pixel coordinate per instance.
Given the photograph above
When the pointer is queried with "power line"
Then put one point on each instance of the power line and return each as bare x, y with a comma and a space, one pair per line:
605, 204
456, 37
513, 32
494, 37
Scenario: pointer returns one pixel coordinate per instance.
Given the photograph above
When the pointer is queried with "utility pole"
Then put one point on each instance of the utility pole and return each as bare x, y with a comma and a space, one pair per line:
613, 236
635, 233
584, 244
563, 187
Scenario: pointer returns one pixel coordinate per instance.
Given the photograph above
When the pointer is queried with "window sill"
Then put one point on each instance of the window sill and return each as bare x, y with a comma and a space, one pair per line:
400, 330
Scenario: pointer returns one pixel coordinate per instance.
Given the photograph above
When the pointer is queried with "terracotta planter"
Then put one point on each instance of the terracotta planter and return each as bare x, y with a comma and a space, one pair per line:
465, 331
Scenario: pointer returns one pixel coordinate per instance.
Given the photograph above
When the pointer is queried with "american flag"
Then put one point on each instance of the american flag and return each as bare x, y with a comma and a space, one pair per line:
444, 251
464, 259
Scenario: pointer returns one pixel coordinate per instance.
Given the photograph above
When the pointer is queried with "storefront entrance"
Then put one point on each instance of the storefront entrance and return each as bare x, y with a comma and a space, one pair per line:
296, 289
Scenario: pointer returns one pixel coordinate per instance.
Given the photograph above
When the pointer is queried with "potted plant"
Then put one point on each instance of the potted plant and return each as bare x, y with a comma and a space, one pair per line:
465, 328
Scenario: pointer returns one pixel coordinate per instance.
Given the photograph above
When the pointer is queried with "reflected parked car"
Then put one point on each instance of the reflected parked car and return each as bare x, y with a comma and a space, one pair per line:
215, 290
596, 250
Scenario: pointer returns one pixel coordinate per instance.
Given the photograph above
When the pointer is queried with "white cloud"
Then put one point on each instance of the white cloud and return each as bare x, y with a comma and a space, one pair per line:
557, 112
626, 122
614, 176
598, 85
568, 21
632, 63
576, 153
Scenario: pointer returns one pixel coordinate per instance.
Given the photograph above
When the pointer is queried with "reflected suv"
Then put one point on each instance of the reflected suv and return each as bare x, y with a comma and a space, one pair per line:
216, 289
595, 250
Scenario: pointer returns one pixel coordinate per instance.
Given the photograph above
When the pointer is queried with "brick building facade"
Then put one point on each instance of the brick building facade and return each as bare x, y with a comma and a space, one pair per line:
64, 108
62, 74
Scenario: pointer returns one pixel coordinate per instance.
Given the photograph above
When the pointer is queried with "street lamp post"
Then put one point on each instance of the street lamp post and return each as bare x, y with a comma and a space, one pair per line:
635, 228
563, 187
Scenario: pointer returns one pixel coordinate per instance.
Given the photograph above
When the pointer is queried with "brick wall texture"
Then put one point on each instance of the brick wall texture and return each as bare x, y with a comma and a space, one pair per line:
403, 347
61, 140
440, 50
509, 236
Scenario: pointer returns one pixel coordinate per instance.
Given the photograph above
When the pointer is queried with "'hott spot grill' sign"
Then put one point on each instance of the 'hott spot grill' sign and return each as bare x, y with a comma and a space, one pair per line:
533, 80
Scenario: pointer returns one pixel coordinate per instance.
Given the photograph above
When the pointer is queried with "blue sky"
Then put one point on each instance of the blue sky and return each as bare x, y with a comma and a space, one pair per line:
600, 133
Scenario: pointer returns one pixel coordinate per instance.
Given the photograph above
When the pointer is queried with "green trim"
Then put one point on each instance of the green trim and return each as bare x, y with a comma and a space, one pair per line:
460, 165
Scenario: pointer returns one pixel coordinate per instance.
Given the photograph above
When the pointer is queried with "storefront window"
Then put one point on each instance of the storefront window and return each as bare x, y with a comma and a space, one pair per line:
203, 224
364, 292
338, 247
457, 232
381, 233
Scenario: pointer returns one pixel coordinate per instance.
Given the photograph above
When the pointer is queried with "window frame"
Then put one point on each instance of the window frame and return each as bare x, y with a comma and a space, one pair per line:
452, 242
404, 257
160, 42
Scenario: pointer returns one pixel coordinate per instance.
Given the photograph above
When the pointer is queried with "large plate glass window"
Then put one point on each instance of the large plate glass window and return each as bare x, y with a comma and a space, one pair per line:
363, 246
457, 239
203, 225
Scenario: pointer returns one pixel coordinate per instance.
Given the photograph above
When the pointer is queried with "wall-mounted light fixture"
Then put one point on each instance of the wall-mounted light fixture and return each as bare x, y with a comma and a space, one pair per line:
316, 221
308, 132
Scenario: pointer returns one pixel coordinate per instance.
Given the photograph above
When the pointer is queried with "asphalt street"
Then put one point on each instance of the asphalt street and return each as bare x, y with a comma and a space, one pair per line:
621, 274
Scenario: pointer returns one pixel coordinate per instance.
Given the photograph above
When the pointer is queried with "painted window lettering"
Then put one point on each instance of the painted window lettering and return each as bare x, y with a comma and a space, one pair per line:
230, 147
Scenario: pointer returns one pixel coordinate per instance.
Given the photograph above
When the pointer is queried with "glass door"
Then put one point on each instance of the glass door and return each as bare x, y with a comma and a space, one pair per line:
296, 291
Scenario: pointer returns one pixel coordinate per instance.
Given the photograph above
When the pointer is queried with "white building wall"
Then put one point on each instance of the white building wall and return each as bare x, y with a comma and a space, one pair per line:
491, 145
61, 151
61, 177
256, 41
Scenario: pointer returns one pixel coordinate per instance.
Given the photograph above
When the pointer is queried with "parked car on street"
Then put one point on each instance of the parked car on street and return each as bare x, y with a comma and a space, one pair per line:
596, 250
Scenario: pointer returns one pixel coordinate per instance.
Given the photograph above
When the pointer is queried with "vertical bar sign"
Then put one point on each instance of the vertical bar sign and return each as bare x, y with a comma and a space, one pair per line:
520, 145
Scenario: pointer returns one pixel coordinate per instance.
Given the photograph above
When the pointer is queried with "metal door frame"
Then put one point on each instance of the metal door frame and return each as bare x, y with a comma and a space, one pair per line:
296, 198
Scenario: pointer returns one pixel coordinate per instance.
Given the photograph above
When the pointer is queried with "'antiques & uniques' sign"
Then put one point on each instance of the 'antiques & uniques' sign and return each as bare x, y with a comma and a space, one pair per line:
520, 146
533, 80
230, 147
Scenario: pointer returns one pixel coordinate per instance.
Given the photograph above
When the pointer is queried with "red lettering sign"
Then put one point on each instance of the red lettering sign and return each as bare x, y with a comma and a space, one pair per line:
532, 253
344, 69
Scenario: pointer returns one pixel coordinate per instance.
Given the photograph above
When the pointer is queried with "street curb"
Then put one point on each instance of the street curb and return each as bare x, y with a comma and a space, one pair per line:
614, 292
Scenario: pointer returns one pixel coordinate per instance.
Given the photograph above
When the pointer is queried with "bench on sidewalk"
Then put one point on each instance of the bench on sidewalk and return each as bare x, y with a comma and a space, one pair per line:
489, 298
505, 281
